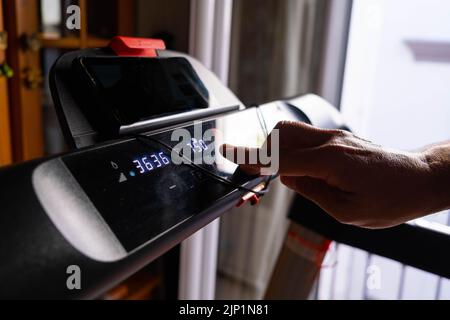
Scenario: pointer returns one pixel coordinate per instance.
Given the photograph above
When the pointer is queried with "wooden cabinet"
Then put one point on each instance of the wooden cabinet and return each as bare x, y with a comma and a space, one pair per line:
5, 135
22, 23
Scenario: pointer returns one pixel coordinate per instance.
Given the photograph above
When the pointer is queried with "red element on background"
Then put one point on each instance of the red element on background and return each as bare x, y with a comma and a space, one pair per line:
136, 47
255, 200
319, 249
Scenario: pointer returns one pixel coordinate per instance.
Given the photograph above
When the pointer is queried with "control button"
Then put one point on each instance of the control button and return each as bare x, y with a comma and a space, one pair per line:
114, 165
123, 178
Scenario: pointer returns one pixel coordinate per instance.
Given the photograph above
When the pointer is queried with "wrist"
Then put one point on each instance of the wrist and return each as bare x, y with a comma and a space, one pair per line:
438, 161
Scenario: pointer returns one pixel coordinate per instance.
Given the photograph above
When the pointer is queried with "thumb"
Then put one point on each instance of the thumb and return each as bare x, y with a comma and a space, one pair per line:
246, 158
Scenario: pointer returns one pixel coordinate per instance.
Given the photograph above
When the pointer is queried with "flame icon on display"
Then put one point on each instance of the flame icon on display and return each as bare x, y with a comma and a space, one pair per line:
114, 165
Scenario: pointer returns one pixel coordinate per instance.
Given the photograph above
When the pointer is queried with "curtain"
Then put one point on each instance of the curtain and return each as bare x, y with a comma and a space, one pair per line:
276, 47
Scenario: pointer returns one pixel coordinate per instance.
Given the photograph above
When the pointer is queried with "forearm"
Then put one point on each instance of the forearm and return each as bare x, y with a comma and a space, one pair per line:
438, 159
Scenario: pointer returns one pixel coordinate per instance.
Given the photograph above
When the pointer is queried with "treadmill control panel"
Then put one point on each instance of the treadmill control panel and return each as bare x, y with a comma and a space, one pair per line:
141, 191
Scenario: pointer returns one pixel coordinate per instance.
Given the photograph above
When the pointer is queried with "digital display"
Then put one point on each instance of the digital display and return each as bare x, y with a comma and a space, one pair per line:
151, 162
198, 145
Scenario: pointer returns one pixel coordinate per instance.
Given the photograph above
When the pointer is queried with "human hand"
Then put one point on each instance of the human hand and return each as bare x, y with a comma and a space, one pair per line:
356, 181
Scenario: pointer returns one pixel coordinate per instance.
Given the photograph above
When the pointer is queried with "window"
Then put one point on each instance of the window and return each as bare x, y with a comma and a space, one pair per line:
396, 94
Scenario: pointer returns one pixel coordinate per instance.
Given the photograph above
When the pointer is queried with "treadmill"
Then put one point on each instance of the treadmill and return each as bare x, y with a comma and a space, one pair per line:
118, 201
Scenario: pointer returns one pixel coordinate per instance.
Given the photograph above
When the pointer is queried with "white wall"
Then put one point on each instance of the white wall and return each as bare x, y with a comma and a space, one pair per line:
396, 101
388, 96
